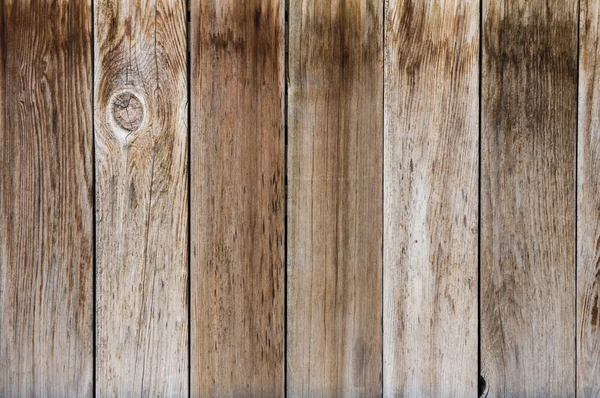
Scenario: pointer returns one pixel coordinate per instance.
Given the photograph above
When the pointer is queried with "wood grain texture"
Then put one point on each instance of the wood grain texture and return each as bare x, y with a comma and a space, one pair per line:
588, 214
431, 198
335, 150
141, 193
529, 100
237, 191
46, 227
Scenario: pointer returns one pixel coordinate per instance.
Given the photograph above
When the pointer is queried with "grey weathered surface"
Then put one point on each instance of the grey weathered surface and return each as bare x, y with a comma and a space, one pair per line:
529, 109
431, 198
335, 198
237, 192
46, 223
588, 215
141, 197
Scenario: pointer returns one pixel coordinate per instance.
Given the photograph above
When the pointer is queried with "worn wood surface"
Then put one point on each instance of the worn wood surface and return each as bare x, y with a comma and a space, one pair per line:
529, 99
370, 208
588, 214
335, 198
237, 188
431, 198
141, 196
46, 216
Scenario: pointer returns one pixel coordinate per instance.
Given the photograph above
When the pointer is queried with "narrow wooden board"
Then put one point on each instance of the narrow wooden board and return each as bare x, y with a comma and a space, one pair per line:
237, 191
529, 111
431, 198
588, 209
335, 200
46, 199
141, 188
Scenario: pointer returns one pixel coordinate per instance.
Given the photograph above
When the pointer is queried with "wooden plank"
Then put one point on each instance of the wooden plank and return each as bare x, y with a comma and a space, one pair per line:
335, 200
529, 99
588, 201
431, 198
46, 227
237, 191
141, 176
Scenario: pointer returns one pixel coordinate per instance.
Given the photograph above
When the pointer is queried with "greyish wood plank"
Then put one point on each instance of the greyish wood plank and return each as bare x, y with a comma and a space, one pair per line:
431, 198
335, 198
141, 187
46, 213
588, 214
529, 110
237, 192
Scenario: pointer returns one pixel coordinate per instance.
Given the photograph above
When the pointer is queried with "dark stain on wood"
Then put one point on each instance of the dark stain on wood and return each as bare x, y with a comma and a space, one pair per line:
420, 40
253, 32
541, 40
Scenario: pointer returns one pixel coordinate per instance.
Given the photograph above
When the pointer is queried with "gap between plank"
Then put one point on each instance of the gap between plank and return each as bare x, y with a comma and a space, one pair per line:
481, 383
94, 268
189, 195
285, 191
576, 183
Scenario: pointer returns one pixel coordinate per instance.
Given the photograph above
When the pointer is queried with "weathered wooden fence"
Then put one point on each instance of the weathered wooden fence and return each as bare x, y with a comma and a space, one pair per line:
299, 197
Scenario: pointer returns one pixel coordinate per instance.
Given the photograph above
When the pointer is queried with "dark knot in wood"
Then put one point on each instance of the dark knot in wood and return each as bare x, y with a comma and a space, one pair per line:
128, 111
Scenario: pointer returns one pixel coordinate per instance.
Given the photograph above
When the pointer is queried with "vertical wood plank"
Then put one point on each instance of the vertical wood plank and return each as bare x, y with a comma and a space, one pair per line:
141, 177
46, 227
431, 198
529, 99
335, 200
237, 223
588, 215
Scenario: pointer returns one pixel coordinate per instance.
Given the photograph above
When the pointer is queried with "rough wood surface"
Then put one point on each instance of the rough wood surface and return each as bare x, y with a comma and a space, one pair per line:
431, 198
141, 194
588, 214
335, 198
529, 105
237, 188
46, 223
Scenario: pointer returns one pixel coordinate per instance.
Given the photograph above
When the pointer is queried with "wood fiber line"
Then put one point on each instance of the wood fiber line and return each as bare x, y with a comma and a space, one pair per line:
46, 227
335, 138
141, 188
529, 100
237, 192
588, 215
431, 198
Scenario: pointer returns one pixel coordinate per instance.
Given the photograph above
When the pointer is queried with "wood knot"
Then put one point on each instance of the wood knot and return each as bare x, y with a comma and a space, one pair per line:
127, 111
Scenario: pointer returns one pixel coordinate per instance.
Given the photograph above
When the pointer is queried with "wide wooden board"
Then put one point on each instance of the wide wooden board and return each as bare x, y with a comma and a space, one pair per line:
142, 198
46, 201
237, 192
529, 111
335, 148
431, 198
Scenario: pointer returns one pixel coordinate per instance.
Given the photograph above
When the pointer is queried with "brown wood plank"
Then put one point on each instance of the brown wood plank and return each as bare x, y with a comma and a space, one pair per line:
46, 213
431, 198
335, 200
237, 191
529, 100
588, 214
141, 177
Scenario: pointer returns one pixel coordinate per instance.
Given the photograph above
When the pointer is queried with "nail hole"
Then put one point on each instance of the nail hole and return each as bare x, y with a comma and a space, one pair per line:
482, 386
